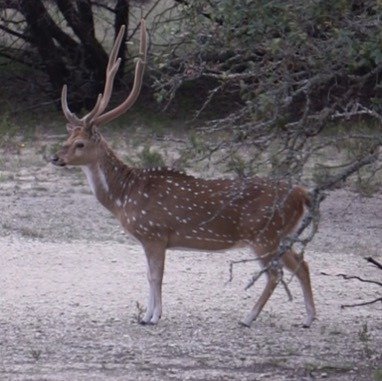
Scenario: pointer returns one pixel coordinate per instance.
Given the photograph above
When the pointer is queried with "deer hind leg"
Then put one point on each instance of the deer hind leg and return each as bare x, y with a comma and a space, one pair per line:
273, 277
155, 255
300, 268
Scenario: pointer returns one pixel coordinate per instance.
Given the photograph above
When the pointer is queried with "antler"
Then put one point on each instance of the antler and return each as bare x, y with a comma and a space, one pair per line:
96, 116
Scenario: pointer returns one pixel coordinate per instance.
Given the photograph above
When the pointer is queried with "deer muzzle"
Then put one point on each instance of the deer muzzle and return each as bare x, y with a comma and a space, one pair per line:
56, 160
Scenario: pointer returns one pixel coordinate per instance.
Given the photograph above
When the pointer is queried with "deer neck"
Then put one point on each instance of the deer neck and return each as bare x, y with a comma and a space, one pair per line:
108, 178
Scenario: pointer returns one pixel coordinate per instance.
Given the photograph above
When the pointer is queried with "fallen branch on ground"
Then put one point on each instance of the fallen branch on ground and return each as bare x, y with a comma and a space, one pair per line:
349, 277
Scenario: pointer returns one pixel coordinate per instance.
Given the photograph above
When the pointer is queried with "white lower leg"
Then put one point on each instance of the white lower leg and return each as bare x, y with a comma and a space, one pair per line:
268, 290
155, 255
304, 279
157, 311
310, 308
150, 307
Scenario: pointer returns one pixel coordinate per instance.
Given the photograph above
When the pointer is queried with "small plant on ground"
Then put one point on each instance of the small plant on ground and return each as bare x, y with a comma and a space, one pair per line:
139, 311
365, 338
150, 158
36, 354
237, 165
8, 132
378, 375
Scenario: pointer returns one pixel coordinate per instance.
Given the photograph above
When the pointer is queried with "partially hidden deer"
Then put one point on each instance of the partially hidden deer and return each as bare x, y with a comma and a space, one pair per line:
165, 209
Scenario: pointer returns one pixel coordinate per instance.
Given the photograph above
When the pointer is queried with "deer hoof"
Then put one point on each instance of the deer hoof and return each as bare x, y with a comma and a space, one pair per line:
244, 324
308, 322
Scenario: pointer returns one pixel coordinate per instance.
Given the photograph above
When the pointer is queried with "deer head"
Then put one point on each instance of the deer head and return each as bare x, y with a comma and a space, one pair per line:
84, 141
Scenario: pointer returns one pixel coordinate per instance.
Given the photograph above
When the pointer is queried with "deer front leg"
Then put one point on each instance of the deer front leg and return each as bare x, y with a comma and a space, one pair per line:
155, 255
272, 281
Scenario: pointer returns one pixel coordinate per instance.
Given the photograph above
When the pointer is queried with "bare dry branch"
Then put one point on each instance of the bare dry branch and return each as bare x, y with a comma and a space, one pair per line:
362, 303
360, 279
374, 262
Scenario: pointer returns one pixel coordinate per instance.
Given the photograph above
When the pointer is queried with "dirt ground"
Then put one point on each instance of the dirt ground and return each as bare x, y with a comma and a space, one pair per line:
73, 287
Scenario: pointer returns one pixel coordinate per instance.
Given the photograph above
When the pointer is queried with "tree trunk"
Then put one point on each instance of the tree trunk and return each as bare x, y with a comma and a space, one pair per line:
121, 18
93, 60
36, 17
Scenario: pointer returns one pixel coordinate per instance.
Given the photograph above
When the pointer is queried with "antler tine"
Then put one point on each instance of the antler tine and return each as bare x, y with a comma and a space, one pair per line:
132, 97
111, 71
143, 43
116, 46
71, 117
88, 117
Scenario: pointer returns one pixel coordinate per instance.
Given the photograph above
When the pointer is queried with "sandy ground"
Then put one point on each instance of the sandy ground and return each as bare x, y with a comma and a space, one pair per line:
73, 287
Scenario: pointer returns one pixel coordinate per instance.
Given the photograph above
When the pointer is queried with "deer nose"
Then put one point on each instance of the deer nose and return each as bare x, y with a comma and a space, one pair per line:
55, 159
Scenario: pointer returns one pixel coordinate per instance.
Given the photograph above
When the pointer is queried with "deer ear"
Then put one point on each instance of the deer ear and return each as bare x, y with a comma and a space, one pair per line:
95, 135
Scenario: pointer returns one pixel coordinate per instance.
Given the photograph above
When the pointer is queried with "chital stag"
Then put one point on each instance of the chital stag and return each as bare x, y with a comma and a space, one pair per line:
164, 209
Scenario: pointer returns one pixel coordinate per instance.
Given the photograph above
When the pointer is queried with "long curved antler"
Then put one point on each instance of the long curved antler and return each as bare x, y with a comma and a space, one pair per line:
96, 116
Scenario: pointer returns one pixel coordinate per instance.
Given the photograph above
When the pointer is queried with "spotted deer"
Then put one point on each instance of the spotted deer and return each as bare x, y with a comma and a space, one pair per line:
165, 209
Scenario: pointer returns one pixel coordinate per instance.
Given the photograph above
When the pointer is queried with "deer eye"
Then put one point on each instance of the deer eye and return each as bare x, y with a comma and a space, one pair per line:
80, 145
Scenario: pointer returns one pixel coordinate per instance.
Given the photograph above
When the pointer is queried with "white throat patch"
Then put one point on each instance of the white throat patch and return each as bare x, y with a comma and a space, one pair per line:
96, 178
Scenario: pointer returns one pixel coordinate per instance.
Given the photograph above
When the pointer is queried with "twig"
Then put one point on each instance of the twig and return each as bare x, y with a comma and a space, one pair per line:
287, 290
362, 304
374, 262
354, 167
347, 277
233, 263
255, 277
